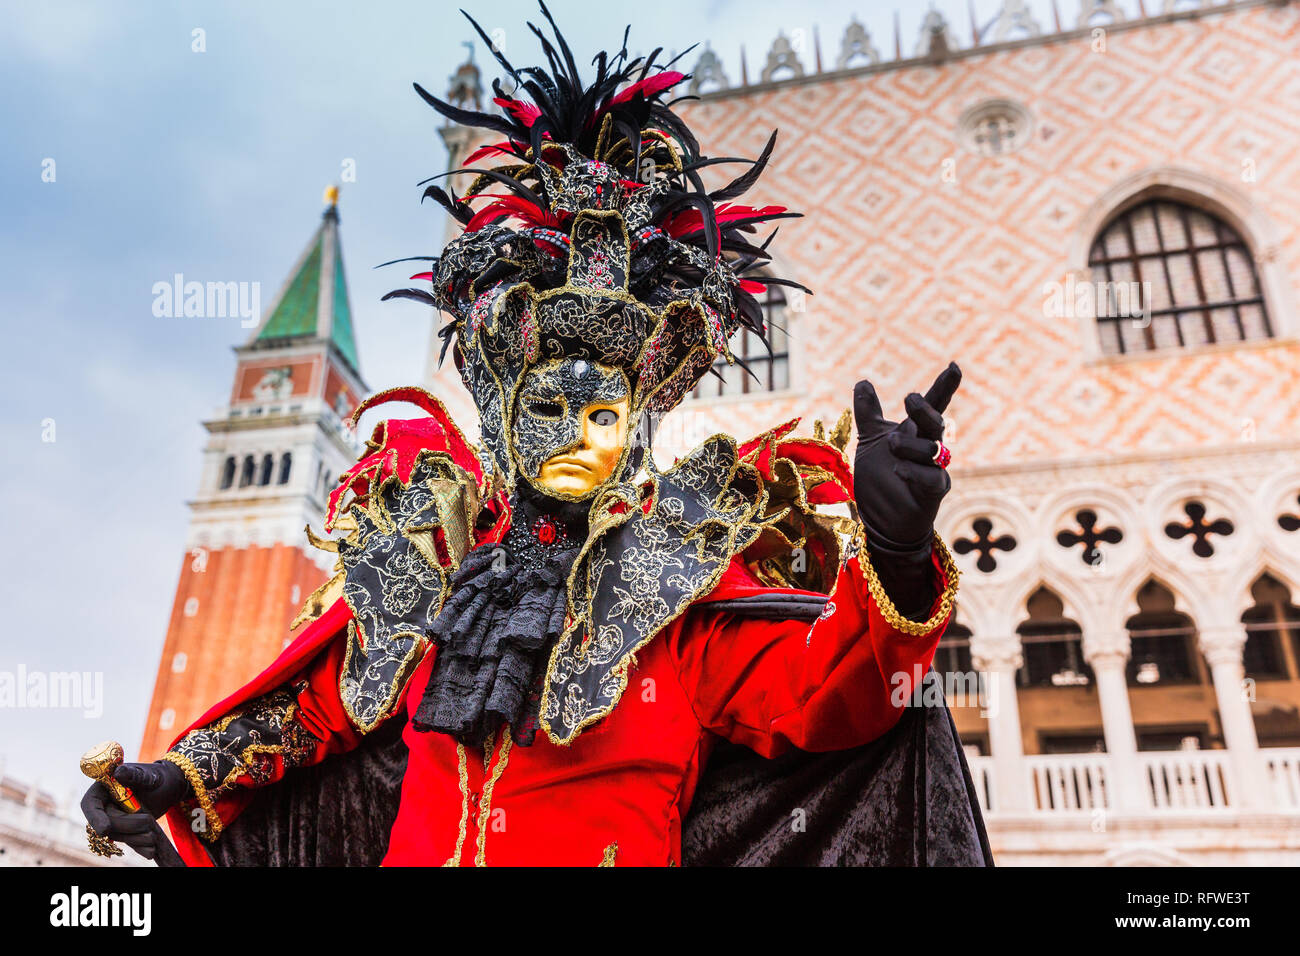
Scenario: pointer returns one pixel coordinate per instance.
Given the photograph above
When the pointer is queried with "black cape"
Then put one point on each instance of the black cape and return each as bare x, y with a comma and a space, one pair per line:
905, 799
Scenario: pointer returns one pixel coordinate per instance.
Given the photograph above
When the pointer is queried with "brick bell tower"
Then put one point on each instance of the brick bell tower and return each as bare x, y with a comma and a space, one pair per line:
273, 453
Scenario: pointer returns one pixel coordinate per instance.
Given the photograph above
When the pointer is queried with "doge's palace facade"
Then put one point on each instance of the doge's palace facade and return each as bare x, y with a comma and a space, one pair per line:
1126, 481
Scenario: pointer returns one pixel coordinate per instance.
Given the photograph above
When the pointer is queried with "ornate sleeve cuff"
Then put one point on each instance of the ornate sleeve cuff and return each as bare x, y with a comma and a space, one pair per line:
202, 796
891, 614
249, 747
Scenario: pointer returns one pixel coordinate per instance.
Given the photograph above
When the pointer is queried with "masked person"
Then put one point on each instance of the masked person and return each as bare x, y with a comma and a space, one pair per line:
548, 650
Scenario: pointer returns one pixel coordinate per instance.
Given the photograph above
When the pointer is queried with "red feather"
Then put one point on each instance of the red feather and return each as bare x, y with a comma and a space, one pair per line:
517, 207
503, 147
526, 113
689, 220
649, 86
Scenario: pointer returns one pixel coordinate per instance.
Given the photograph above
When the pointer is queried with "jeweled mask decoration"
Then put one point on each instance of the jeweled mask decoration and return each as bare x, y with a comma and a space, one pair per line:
601, 244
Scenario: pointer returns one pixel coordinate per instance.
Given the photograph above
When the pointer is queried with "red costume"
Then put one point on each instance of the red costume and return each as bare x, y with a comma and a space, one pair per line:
620, 792
511, 668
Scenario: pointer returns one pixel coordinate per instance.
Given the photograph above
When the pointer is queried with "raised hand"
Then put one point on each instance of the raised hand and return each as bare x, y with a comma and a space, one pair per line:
897, 483
158, 786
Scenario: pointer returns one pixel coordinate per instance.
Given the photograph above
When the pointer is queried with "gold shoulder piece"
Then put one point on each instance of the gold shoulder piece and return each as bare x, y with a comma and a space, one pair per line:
887, 609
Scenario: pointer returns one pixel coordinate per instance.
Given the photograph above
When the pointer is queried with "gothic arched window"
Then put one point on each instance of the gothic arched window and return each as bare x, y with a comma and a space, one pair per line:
1052, 645
771, 370
228, 473
1271, 624
286, 465
953, 653
247, 472
1162, 640
1193, 276
268, 465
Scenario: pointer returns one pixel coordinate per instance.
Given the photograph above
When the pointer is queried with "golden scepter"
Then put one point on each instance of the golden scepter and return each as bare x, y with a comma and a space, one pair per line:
98, 763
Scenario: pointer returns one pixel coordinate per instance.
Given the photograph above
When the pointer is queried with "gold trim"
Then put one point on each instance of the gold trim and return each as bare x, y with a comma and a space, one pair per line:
886, 606
377, 511
610, 852
602, 519
320, 600
485, 810
195, 780
462, 767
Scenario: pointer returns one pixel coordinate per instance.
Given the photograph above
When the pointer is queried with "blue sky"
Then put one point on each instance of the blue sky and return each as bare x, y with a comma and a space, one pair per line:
212, 164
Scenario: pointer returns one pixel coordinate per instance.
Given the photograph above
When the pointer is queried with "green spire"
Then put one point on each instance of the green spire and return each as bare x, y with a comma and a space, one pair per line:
341, 328
295, 313
302, 312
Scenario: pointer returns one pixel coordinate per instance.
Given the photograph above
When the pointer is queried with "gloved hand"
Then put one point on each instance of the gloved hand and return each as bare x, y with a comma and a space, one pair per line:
898, 487
158, 786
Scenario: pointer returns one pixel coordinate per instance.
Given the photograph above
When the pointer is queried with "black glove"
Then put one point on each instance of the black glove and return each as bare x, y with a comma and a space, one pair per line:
898, 487
158, 786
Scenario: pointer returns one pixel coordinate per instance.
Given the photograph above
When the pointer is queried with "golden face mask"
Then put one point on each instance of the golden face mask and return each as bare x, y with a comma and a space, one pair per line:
571, 428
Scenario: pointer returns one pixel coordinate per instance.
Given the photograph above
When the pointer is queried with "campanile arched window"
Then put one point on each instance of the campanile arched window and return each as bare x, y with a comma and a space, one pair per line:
1197, 276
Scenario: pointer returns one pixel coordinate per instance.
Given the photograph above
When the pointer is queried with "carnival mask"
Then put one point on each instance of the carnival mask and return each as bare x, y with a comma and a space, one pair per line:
571, 428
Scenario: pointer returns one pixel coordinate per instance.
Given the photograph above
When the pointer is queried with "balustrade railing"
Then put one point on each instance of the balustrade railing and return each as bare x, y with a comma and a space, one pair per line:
1173, 781
1186, 779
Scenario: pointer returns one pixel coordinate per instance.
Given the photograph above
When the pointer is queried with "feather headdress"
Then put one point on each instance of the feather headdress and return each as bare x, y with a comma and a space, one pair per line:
589, 232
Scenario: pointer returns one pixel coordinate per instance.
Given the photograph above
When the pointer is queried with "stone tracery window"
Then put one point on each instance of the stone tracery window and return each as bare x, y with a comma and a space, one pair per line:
994, 127
1271, 624
1052, 646
1196, 274
1162, 640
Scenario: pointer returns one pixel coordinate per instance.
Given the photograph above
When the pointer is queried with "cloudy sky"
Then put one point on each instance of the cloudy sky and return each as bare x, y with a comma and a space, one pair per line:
166, 160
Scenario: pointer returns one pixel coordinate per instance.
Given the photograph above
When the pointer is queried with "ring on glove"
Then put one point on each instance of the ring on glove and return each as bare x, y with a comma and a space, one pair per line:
942, 456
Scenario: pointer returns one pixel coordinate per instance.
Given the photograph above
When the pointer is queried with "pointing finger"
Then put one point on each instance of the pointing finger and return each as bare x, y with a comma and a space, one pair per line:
867, 411
941, 392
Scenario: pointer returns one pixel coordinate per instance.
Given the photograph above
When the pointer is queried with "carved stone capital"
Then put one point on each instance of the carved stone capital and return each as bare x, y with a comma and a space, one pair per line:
1223, 644
1106, 649
996, 653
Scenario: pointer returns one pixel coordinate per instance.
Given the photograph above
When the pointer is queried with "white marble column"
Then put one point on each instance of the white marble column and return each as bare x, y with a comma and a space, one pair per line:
999, 658
1222, 647
1107, 655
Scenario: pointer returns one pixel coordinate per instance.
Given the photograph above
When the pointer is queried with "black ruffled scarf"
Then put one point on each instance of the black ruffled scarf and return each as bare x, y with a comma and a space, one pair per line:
496, 630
